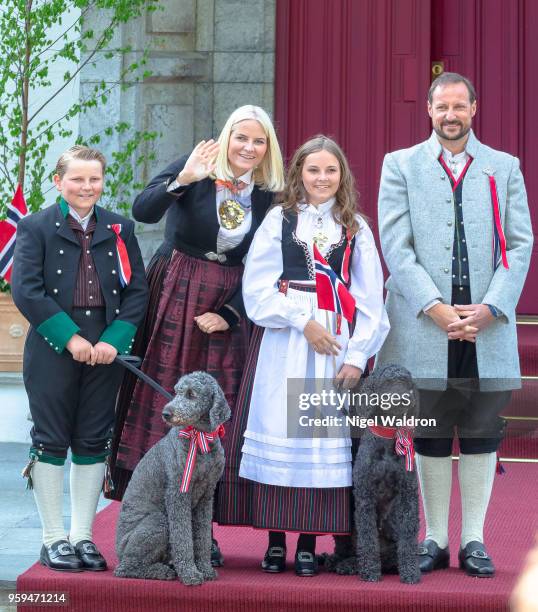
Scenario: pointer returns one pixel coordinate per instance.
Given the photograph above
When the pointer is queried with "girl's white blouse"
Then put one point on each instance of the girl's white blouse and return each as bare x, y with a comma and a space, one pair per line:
267, 307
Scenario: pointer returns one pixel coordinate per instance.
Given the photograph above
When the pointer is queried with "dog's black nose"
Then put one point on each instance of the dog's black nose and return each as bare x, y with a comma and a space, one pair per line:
167, 413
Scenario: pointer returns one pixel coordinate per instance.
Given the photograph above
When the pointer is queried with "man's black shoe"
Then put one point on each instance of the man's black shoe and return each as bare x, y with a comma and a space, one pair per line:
60, 556
305, 563
274, 561
91, 558
475, 560
431, 557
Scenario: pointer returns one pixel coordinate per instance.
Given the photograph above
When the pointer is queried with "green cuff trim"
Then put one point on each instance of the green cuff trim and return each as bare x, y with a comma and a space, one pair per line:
58, 330
44, 458
79, 460
120, 335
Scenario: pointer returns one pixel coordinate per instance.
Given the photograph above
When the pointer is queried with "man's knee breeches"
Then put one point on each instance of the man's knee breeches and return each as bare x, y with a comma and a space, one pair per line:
472, 415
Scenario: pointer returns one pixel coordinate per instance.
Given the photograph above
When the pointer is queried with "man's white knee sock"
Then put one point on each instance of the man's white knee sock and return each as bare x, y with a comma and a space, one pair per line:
476, 474
435, 477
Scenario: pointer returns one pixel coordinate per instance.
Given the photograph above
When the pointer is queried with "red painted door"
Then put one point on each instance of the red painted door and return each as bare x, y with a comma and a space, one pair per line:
359, 70
356, 70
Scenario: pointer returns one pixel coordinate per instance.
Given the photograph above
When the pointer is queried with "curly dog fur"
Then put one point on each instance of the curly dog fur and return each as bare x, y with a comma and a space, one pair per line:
163, 533
386, 495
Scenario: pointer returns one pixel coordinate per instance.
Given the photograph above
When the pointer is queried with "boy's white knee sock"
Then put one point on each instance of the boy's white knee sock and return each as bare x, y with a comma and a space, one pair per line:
48, 481
86, 482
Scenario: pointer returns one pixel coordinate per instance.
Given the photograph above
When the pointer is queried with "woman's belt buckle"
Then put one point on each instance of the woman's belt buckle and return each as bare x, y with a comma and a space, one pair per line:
220, 257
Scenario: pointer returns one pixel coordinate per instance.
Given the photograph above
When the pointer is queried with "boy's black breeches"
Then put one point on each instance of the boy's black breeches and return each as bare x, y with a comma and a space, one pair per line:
72, 404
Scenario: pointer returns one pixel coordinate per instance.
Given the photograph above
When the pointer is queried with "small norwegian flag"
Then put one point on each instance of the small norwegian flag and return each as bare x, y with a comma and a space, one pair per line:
16, 211
123, 257
332, 294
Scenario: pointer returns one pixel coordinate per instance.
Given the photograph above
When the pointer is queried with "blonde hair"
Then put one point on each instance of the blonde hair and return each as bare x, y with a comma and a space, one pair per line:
269, 174
79, 152
345, 208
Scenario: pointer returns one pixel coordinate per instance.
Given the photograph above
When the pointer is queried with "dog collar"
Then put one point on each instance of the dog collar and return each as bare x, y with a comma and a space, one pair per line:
382, 431
404, 442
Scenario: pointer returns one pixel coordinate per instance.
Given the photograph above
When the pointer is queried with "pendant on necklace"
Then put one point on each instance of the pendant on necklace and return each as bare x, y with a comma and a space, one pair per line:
319, 237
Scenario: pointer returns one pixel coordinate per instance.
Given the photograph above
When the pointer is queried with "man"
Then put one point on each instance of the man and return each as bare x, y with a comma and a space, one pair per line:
456, 236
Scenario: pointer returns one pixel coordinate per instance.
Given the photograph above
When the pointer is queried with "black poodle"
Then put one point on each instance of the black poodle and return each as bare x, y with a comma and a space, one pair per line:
384, 482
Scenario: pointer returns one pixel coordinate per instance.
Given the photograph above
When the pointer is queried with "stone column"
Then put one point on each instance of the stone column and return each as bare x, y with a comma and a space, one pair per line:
207, 57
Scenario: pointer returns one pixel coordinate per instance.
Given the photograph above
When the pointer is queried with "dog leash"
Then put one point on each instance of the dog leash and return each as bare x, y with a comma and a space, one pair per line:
131, 362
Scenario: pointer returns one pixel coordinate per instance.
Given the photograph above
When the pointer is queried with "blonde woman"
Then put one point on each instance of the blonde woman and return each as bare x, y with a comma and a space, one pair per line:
215, 199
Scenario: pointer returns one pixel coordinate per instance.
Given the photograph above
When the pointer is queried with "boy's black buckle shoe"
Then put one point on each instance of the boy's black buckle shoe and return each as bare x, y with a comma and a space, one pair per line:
305, 563
274, 561
217, 560
60, 556
431, 557
475, 560
91, 558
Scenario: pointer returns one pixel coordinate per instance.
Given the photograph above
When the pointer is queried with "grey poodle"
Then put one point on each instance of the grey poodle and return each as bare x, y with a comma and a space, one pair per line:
163, 532
385, 491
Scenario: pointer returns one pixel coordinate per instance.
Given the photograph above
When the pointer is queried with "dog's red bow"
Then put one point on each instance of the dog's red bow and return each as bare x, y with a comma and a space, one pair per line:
404, 446
404, 442
199, 439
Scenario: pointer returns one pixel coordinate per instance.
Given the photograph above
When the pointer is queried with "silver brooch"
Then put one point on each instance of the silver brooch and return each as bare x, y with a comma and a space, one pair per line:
488, 171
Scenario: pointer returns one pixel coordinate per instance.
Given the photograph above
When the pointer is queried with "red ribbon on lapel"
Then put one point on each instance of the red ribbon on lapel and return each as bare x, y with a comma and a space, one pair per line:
123, 257
498, 232
199, 440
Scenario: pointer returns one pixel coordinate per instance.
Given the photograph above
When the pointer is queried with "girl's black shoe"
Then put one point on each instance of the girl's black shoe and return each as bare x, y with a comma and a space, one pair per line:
274, 561
305, 563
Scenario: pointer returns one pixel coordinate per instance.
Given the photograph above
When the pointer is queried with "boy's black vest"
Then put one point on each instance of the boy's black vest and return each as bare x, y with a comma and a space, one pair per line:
297, 264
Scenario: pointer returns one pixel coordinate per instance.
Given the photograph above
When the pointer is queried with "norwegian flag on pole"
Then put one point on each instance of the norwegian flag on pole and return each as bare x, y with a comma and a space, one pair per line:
8, 232
332, 294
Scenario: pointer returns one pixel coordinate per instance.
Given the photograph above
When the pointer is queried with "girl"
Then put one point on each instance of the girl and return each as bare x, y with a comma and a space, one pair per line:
78, 277
302, 483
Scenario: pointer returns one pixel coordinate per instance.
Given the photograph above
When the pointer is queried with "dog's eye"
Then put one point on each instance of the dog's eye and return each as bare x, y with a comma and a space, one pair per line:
189, 394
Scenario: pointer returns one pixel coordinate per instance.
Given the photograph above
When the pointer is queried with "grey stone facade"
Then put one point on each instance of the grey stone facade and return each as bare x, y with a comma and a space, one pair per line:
207, 57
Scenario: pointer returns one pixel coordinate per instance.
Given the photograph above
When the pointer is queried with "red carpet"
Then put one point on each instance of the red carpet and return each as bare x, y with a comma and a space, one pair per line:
242, 587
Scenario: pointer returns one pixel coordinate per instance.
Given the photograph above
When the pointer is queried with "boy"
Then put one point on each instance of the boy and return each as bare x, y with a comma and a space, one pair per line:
78, 277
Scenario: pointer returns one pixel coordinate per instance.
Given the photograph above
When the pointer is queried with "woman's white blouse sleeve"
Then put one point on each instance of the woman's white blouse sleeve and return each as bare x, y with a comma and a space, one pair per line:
264, 304
372, 324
